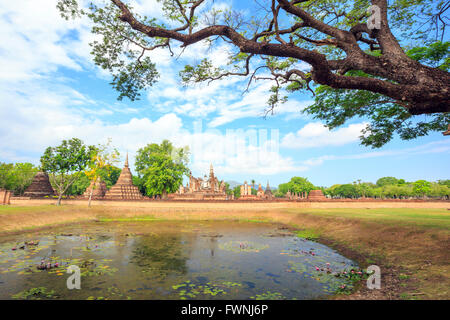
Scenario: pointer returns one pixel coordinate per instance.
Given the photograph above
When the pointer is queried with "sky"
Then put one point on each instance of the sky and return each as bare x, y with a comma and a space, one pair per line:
51, 90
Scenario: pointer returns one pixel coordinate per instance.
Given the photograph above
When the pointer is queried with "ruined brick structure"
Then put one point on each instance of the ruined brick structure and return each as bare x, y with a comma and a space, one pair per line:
316, 195
99, 189
5, 196
246, 189
208, 188
40, 187
246, 192
124, 189
296, 196
260, 192
268, 193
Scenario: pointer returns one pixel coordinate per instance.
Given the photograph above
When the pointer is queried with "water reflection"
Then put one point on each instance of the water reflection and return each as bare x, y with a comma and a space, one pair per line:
170, 260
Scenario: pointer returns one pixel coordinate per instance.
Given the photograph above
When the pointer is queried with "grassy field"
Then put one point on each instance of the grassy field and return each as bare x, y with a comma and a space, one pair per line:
412, 246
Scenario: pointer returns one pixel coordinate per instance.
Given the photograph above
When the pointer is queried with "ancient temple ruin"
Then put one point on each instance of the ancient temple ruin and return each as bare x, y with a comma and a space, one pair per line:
260, 191
246, 192
316, 195
40, 187
98, 188
206, 188
261, 194
5, 196
296, 196
268, 193
124, 189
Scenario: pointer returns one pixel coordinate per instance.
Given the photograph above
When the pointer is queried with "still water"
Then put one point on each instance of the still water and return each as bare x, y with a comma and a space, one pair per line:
169, 260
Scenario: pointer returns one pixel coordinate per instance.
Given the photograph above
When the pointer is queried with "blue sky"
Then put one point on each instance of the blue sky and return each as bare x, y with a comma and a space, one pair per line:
50, 90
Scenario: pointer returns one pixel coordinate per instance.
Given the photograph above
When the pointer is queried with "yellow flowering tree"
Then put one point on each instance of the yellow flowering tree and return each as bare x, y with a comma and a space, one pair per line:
104, 156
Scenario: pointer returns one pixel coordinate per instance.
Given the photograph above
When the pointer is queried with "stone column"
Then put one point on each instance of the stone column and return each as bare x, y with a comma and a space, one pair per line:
8, 197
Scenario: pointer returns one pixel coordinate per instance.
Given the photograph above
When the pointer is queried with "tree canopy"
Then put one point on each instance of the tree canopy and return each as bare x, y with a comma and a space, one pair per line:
66, 162
17, 177
296, 185
385, 188
161, 167
384, 61
102, 159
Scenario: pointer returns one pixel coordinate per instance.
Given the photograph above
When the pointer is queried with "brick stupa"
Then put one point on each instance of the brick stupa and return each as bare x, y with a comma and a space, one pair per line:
5, 196
40, 187
316, 195
268, 192
124, 189
99, 189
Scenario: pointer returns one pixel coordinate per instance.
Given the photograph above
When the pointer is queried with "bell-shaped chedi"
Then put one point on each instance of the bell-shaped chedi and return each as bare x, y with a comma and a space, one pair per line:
260, 192
268, 192
98, 188
40, 187
124, 188
316, 195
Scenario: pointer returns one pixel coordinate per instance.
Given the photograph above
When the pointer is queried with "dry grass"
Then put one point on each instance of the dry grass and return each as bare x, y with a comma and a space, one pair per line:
412, 246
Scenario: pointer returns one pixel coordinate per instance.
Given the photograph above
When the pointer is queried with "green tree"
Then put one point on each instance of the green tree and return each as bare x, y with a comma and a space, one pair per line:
421, 187
283, 188
444, 182
17, 177
389, 73
162, 167
6, 177
237, 192
79, 186
387, 181
347, 191
228, 190
65, 163
23, 174
299, 185
439, 191
103, 157
139, 182
295, 185
109, 175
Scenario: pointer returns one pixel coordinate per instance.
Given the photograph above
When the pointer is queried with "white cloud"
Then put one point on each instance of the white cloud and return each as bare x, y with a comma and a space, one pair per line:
440, 146
315, 134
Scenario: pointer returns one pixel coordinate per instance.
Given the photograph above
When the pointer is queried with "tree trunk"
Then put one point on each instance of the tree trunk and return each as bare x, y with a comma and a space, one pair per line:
58, 203
90, 197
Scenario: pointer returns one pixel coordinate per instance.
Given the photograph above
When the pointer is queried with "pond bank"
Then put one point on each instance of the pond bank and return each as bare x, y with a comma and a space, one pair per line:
412, 246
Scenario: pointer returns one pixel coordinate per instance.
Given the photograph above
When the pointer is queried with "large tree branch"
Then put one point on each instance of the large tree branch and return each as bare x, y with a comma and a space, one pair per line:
394, 68
389, 45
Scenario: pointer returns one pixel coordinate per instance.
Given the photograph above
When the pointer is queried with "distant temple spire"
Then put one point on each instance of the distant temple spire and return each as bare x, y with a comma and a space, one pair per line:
124, 188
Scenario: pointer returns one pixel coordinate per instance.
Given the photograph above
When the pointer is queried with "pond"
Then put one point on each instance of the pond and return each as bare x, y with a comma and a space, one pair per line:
170, 260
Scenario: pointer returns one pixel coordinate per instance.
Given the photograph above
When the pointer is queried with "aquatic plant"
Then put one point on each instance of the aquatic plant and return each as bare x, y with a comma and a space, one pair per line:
190, 290
268, 295
35, 294
242, 246
112, 293
307, 234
